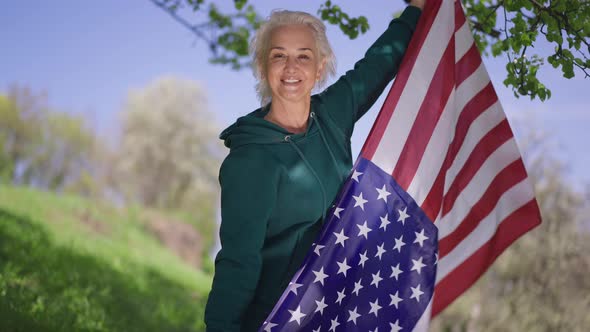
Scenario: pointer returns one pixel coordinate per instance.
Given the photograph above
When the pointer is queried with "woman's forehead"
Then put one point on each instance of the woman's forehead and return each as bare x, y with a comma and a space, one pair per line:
295, 36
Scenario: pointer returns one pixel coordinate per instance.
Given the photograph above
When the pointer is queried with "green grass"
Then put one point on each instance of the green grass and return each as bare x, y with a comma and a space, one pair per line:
68, 264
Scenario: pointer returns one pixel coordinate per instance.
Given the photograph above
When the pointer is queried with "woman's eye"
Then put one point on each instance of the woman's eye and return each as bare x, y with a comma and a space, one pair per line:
278, 56
304, 57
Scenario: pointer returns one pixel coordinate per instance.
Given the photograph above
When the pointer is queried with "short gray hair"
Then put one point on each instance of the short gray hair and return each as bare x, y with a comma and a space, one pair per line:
259, 47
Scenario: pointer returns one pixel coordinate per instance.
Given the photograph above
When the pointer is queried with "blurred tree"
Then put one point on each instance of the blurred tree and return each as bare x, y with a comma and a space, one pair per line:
168, 155
563, 23
41, 148
541, 282
66, 155
22, 114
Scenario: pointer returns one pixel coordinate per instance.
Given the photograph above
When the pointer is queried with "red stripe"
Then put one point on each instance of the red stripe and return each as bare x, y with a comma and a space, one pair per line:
506, 179
459, 16
467, 65
430, 11
481, 102
464, 275
482, 151
430, 112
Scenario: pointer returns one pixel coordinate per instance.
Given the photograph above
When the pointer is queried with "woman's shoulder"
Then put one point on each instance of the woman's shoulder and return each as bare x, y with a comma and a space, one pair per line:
249, 160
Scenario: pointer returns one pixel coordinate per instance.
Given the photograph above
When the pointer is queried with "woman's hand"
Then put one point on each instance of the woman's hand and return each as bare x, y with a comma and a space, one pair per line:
418, 3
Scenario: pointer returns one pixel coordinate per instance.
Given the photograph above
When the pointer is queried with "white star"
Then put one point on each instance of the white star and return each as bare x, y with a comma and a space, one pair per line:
417, 265
359, 201
384, 222
340, 237
320, 276
363, 259
269, 326
376, 330
435, 258
395, 299
355, 175
318, 329
395, 272
374, 307
334, 323
321, 305
420, 237
353, 315
296, 315
337, 211
357, 287
380, 251
364, 230
376, 279
395, 327
416, 292
317, 249
383, 193
403, 215
399, 243
341, 296
293, 287
343, 267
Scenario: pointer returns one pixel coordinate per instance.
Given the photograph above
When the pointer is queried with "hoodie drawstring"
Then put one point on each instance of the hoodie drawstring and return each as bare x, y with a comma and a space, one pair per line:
312, 116
302, 156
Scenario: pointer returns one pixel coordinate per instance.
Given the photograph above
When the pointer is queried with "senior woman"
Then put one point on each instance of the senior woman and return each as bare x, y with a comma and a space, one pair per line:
289, 158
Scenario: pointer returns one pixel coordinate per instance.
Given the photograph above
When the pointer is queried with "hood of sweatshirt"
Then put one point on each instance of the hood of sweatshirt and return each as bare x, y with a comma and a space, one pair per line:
254, 129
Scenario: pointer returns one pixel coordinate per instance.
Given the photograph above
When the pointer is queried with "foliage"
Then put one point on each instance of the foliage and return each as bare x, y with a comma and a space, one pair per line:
168, 155
565, 24
58, 273
539, 283
21, 116
44, 148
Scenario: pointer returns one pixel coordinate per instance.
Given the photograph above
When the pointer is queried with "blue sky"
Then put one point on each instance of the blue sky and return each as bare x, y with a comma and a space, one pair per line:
87, 55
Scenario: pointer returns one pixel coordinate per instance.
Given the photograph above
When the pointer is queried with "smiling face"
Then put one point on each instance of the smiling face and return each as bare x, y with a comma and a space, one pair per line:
293, 64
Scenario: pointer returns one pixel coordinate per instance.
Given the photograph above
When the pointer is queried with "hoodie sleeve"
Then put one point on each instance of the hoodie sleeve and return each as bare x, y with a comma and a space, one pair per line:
351, 96
247, 201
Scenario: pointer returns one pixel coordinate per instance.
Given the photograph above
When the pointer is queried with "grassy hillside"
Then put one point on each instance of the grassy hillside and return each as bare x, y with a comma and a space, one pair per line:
68, 264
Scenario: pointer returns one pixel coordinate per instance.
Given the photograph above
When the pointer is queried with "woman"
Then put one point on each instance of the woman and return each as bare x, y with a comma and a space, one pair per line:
288, 159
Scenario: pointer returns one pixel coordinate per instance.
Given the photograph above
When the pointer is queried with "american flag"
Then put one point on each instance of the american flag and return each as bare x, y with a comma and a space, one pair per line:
439, 191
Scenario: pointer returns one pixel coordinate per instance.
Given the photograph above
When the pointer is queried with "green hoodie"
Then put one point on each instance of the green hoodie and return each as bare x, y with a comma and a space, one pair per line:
277, 186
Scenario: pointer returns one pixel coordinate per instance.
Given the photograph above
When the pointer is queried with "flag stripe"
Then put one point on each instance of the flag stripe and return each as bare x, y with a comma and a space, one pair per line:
434, 154
471, 86
464, 128
507, 178
448, 288
459, 17
511, 200
406, 68
388, 151
480, 127
464, 41
468, 64
486, 146
430, 111
498, 160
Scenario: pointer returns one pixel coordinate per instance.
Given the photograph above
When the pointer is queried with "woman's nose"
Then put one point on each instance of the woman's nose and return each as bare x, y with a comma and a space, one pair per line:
291, 63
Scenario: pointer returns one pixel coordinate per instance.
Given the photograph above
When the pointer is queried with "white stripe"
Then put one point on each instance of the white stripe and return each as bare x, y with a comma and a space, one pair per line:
402, 120
478, 129
497, 161
478, 80
463, 41
512, 200
435, 152
424, 321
